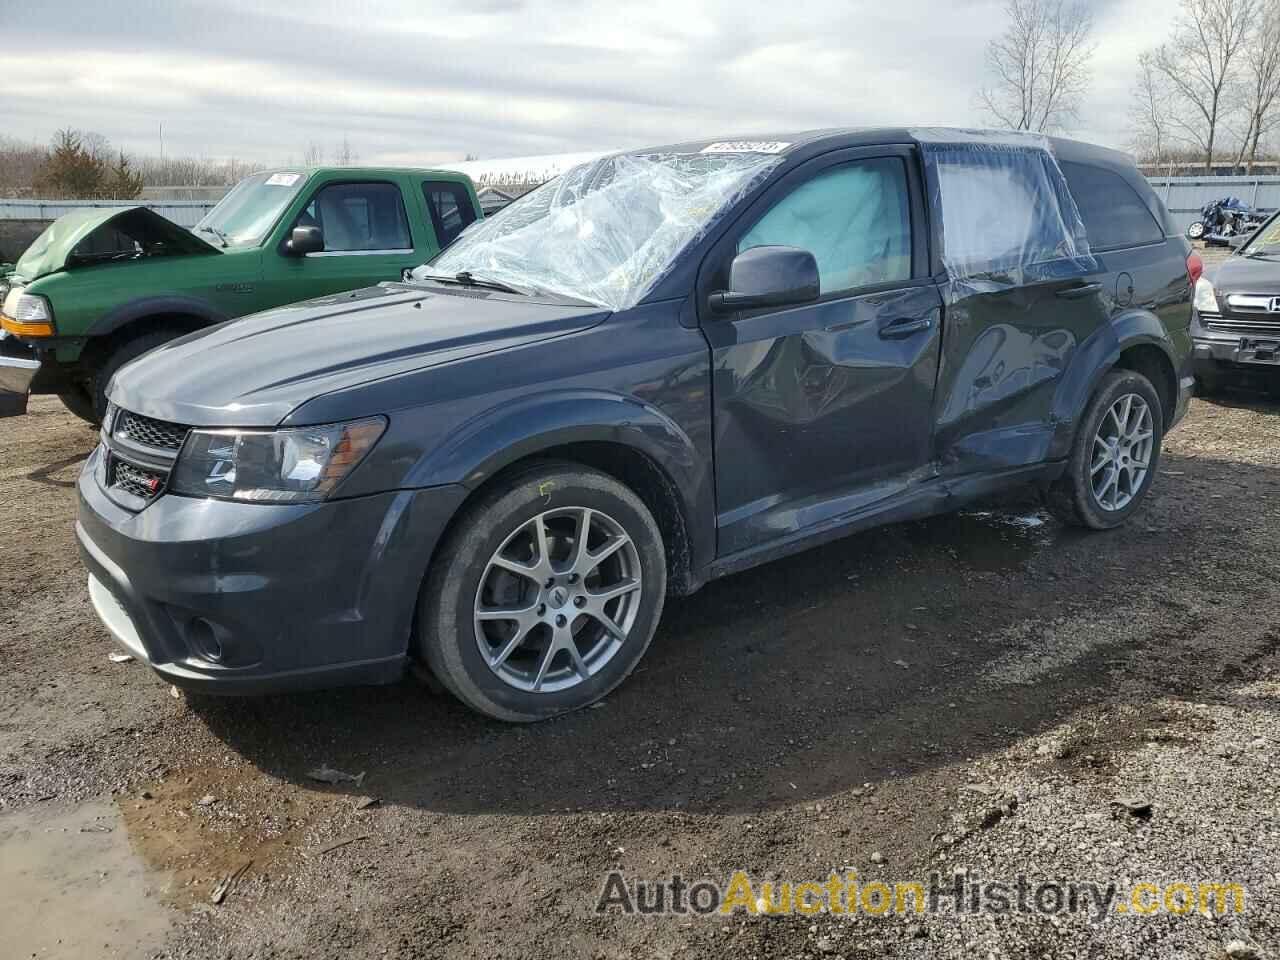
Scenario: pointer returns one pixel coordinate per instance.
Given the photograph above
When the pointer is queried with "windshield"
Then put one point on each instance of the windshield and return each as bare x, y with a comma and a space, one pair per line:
247, 213
604, 232
1266, 242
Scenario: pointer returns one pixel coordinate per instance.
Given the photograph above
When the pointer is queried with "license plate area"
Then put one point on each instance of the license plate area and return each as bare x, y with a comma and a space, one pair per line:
1254, 350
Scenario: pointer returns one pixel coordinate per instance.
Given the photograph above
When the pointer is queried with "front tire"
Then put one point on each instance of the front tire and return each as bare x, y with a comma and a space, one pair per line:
1114, 457
545, 595
123, 353
78, 401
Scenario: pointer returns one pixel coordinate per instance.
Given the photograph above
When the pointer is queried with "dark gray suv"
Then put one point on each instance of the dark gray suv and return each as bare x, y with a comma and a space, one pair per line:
662, 367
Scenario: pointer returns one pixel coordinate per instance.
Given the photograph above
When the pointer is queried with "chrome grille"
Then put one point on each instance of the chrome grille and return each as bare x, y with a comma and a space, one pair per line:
1245, 328
135, 480
149, 432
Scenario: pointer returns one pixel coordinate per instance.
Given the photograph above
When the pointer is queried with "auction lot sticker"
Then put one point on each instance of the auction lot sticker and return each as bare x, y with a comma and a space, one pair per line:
746, 146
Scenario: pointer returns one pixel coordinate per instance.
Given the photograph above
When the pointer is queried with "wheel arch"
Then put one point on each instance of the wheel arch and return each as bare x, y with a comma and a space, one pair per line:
137, 317
630, 441
1136, 340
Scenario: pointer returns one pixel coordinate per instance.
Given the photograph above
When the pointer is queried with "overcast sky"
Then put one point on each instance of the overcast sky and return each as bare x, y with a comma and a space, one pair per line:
419, 81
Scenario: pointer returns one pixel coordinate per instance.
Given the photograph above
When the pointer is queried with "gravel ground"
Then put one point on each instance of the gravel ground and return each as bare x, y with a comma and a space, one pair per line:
974, 692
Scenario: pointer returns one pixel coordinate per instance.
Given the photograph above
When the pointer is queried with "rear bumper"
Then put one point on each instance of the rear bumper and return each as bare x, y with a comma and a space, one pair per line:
244, 598
1186, 389
18, 368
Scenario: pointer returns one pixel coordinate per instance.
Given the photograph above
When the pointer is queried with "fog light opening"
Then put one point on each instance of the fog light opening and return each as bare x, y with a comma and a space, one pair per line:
201, 636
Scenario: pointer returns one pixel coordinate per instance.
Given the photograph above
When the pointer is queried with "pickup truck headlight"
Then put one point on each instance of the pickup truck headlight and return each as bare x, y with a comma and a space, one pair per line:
26, 314
293, 465
1205, 300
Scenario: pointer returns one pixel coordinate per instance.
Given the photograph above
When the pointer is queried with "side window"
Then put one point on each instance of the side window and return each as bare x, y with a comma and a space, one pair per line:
359, 216
1113, 213
855, 219
450, 207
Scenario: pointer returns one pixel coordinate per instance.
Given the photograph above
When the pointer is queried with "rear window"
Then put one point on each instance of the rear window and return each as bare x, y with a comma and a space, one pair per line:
1113, 213
451, 209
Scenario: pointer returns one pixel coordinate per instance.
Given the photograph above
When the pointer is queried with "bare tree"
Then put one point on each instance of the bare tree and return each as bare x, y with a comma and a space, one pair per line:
1039, 66
344, 155
1152, 111
1201, 61
313, 156
1261, 82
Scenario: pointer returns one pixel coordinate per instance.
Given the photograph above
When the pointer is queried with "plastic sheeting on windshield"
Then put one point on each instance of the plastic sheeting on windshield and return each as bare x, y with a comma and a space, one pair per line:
1008, 217
607, 231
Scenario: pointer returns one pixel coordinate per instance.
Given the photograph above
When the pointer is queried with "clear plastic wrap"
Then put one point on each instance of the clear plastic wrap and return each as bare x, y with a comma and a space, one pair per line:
1008, 217
606, 231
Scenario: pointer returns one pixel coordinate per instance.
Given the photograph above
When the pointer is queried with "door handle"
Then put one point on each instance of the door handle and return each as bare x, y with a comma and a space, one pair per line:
1080, 292
898, 329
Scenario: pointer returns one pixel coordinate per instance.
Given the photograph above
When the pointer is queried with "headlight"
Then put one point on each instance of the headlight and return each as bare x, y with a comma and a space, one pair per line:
27, 314
1205, 300
298, 464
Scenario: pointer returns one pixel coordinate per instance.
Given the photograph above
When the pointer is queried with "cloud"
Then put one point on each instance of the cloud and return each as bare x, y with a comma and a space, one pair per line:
429, 82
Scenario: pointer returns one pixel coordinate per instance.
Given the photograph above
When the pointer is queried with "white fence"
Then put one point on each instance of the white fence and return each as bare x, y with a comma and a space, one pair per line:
1184, 196
184, 212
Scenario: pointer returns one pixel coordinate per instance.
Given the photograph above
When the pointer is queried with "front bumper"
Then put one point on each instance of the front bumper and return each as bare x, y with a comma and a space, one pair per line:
225, 597
1213, 356
18, 368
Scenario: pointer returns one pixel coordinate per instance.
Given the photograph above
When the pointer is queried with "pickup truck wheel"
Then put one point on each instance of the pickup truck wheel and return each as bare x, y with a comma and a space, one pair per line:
117, 358
1114, 457
545, 595
78, 401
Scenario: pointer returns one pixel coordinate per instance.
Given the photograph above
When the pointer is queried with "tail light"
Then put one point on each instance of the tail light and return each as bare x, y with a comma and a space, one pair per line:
1195, 268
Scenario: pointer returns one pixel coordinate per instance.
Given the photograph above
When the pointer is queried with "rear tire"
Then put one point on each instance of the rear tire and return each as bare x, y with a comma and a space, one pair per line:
1114, 457
123, 353
564, 646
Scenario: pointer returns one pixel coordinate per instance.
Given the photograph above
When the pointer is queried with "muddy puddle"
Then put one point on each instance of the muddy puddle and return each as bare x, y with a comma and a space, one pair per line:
73, 886
988, 540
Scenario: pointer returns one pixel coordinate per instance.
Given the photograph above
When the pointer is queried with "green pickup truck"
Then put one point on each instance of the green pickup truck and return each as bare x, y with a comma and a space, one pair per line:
101, 286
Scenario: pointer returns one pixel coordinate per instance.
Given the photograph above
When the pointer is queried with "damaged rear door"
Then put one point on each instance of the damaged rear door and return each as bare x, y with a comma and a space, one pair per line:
1023, 292
825, 408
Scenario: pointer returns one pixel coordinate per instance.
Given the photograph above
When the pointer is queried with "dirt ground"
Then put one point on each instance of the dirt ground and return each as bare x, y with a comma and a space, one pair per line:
971, 692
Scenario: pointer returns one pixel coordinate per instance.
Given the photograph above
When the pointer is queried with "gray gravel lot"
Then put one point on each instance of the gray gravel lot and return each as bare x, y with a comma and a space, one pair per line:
973, 692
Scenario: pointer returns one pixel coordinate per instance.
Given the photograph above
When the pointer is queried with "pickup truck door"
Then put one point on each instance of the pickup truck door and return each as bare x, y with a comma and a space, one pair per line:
368, 238
823, 409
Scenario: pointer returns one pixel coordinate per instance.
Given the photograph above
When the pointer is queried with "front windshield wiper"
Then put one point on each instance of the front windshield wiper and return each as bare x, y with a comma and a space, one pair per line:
1259, 255
222, 237
466, 278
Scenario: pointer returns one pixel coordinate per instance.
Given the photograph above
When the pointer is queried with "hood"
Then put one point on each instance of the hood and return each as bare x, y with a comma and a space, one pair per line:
53, 250
1245, 275
256, 370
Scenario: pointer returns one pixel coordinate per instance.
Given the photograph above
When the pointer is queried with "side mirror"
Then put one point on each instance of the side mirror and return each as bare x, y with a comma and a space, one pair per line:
305, 240
769, 277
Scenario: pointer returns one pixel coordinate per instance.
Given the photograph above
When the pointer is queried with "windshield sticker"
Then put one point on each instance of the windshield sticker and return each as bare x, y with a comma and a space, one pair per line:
746, 146
283, 179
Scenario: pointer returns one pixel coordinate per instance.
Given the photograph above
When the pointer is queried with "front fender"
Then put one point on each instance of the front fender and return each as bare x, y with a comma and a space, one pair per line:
505, 434
126, 313
1093, 360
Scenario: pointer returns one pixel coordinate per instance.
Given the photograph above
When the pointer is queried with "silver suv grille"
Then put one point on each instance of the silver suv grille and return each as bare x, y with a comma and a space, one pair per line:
139, 453
149, 432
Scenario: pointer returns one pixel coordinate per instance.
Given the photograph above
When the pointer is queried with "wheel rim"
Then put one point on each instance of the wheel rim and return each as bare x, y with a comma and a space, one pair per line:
1122, 452
558, 599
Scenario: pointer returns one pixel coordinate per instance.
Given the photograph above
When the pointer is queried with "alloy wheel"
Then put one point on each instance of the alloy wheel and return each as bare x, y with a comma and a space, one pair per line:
1122, 450
558, 599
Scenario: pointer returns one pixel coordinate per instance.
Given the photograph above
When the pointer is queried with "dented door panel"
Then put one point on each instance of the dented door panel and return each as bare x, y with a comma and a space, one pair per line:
1005, 352
821, 410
